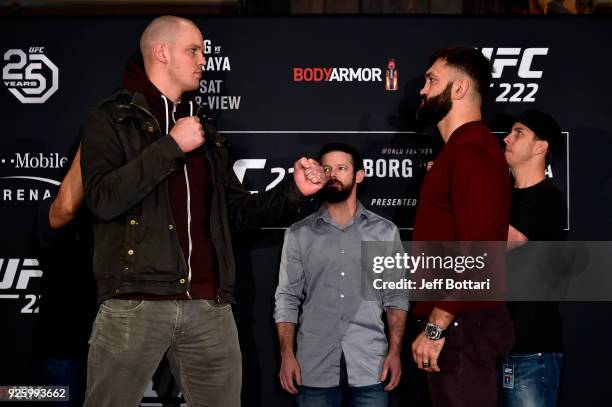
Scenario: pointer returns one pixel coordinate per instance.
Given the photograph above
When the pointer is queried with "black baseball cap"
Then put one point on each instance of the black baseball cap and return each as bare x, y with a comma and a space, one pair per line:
544, 127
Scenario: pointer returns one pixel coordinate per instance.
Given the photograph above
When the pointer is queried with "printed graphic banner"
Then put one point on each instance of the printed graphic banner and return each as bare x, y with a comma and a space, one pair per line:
279, 89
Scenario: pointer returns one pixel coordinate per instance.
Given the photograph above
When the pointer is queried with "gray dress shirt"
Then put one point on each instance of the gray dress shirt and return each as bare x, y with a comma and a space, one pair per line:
320, 271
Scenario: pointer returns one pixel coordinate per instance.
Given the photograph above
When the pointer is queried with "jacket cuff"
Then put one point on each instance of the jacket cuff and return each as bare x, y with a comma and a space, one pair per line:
170, 149
294, 195
452, 307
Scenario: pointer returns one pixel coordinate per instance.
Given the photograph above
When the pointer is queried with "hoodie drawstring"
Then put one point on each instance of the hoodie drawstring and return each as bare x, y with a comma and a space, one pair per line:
186, 182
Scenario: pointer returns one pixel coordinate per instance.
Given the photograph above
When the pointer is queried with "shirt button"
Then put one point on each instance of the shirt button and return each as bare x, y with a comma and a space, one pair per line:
341, 295
182, 281
343, 273
131, 252
170, 227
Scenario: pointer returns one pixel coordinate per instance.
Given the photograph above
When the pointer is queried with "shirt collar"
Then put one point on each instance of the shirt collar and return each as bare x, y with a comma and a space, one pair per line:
323, 213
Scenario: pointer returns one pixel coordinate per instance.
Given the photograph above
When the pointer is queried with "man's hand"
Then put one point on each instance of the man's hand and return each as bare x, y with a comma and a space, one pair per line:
393, 365
426, 350
515, 238
290, 370
188, 133
309, 176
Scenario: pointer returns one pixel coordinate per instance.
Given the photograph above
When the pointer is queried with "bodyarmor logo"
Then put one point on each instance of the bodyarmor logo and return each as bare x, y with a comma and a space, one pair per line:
32, 77
391, 75
523, 62
331, 74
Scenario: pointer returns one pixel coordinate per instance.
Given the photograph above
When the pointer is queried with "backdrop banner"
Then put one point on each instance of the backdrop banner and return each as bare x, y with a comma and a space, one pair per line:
280, 88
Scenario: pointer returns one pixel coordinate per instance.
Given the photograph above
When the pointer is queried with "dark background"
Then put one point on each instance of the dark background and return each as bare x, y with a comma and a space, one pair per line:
280, 120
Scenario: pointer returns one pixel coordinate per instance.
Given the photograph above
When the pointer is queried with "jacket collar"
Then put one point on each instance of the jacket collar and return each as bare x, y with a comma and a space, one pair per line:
127, 98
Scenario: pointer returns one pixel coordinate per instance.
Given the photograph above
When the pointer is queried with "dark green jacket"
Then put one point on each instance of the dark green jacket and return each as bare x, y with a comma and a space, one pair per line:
125, 160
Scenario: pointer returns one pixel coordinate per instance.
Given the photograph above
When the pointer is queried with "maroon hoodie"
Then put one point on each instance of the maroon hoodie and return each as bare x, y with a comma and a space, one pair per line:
189, 189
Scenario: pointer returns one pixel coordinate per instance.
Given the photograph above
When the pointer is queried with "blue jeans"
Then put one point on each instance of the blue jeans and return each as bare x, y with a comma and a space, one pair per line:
535, 380
362, 396
65, 372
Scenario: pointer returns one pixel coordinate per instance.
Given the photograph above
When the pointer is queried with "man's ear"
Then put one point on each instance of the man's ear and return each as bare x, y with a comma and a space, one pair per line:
160, 53
359, 176
541, 147
460, 88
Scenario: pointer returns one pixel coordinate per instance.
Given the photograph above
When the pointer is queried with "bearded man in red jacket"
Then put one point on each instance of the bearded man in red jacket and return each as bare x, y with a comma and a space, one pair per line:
465, 197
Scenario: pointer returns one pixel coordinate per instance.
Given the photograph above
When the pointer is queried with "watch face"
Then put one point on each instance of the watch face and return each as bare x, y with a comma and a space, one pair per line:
432, 331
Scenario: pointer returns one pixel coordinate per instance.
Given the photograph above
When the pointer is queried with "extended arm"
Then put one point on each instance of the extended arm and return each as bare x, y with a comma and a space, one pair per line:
69, 197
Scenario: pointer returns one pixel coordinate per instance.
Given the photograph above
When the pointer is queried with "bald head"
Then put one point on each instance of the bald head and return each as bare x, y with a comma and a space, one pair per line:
162, 30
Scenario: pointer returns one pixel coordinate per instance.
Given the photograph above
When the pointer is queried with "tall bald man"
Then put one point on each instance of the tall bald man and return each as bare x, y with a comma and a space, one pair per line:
164, 199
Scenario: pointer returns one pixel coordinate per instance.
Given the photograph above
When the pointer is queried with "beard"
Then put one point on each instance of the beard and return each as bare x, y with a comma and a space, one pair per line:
436, 108
335, 192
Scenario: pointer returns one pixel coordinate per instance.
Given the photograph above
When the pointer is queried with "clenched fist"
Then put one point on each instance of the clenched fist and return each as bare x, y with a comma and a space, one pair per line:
308, 175
188, 133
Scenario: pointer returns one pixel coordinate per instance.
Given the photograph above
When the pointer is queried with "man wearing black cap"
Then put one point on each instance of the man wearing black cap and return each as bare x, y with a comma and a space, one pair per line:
530, 376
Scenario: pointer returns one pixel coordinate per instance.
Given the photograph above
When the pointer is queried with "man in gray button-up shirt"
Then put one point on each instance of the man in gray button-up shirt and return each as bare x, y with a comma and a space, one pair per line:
341, 342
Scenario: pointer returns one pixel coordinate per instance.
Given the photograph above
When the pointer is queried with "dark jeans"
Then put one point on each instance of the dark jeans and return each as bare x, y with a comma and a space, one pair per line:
477, 342
532, 380
65, 372
363, 396
130, 337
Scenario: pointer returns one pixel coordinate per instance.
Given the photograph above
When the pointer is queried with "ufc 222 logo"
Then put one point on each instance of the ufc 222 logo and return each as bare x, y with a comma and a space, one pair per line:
17, 276
518, 70
31, 77
241, 167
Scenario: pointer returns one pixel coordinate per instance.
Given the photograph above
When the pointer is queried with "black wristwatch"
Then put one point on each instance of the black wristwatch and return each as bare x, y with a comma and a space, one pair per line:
434, 332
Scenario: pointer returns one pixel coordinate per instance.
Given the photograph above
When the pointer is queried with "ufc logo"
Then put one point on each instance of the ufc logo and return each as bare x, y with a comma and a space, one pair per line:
509, 57
241, 167
23, 269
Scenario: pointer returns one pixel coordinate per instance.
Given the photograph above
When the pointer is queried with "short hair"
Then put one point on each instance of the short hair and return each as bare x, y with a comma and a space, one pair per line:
161, 29
356, 159
470, 61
